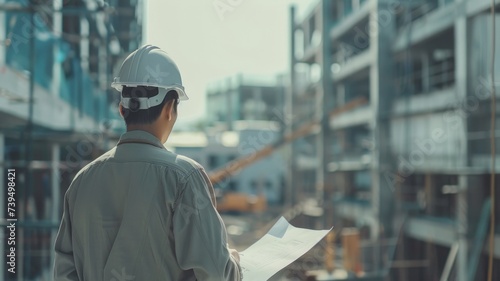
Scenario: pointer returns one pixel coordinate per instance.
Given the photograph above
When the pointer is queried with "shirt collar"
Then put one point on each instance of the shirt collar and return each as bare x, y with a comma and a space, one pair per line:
139, 136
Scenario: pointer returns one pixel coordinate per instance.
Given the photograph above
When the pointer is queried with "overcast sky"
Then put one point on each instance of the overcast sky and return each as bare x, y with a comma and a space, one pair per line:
213, 39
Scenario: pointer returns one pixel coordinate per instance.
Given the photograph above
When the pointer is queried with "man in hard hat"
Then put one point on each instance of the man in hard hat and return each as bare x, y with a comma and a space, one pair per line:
140, 212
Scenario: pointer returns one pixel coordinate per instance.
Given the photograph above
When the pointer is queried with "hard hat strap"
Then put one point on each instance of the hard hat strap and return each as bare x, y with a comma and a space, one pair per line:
145, 103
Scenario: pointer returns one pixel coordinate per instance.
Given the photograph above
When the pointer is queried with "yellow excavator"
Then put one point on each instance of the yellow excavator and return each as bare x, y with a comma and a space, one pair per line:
242, 202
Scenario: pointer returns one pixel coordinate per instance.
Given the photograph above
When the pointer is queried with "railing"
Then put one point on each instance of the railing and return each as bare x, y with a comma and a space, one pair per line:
34, 242
441, 75
414, 198
348, 7
304, 111
352, 155
305, 87
345, 52
415, 12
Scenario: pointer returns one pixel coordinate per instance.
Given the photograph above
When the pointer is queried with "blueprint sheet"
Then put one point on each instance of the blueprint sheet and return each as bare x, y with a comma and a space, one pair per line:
282, 245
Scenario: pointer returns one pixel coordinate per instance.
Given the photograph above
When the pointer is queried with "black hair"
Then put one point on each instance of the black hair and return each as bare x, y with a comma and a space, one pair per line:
135, 116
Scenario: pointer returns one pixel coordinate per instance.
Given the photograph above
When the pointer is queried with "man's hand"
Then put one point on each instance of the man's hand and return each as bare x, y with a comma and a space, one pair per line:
235, 254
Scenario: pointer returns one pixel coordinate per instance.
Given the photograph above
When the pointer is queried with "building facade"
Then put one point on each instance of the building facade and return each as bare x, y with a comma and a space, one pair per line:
244, 97
406, 156
57, 109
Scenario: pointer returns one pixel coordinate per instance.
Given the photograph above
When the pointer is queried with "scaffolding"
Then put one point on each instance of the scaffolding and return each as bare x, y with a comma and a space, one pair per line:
56, 60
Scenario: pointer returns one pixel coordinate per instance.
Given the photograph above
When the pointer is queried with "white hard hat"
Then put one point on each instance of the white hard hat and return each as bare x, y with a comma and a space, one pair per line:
149, 66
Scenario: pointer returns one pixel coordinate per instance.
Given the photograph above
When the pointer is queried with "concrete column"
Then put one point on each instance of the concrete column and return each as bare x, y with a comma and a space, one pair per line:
461, 56
3, 168
462, 210
356, 5
84, 43
57, 28
290, 197
381, 95
55, 177
325, 104
320, 108
425, 72
3, 35
231, 90
102, 67
461, 35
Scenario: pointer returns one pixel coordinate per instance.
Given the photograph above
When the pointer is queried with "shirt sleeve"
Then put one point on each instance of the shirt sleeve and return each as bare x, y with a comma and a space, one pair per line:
64, 264
200, 235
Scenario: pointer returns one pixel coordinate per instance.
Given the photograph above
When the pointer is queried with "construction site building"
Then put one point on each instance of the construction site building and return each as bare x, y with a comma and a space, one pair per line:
57, 109
410, 169
245, 97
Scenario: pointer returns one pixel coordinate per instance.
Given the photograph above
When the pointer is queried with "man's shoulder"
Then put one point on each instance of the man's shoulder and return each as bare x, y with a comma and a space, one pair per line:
180, 163
98, 160
187, 164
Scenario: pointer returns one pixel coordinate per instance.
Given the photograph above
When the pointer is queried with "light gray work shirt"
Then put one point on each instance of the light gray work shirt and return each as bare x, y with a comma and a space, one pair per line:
140, 212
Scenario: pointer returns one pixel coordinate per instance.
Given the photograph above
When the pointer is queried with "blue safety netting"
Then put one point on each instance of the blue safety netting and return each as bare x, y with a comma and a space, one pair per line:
76, 87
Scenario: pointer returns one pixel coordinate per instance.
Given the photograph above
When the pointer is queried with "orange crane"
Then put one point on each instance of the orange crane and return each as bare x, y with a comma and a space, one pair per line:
233, 201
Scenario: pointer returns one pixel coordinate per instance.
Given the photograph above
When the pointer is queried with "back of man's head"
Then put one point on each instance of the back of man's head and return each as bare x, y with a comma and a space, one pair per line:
133, 115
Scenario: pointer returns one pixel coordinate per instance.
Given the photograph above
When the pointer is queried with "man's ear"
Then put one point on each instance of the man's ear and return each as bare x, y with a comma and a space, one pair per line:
169, 110
120, 108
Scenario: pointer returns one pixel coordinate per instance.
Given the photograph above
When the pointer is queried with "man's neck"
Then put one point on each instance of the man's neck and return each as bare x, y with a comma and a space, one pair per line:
150, 129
